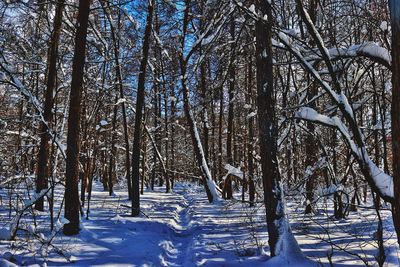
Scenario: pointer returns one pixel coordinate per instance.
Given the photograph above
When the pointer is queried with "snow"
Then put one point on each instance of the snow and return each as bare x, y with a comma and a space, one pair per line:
251, 115
5, 233
172, 99
6, 263
9, 229
367, 49
120, 101
233, 171
382, 181
252, 9
183, 229
289, 253
383, 26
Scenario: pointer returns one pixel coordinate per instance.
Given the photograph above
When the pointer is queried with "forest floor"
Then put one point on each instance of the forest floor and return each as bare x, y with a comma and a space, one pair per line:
183, 229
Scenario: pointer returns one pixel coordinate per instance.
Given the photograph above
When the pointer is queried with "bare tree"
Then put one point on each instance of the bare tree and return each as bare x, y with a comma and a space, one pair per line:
45, 126
268, 132
139, 112
72, 205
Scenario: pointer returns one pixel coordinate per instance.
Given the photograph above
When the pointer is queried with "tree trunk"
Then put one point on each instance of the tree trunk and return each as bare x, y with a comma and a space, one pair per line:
74, 117
207, 180
268, 127
113, 151
139, 113
119, 81
311, 146
228, 183
45, 137
250, 134
395, 21
167, 158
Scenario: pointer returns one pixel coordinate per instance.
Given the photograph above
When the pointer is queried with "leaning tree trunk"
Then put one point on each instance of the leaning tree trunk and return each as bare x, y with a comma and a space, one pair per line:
207, 180
74, 117
139, 113
268, 131
395, 20
45, 137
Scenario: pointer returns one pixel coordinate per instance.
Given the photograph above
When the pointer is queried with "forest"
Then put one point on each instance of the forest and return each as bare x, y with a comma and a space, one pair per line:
200, 133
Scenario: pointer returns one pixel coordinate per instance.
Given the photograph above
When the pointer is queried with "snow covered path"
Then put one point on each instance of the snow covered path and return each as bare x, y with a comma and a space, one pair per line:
182, 229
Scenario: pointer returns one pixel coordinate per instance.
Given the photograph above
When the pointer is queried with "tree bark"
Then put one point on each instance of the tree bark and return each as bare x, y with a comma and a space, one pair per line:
45, 137
139, 112
311, 146
268, 126
395, 22
119, 81
194, 133
250, 134
228, 183
74, 117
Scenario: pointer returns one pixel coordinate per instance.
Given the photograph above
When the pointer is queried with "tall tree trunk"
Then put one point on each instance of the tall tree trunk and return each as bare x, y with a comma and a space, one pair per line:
203, 90
45, 137
139, 112
113, 151
375, 129
119, 81
143, 162
172, 166
155, 125
311, 146
167, 158
268, 131
221, 118
250, 134
395, 21
74, 117
207, 180
228, 183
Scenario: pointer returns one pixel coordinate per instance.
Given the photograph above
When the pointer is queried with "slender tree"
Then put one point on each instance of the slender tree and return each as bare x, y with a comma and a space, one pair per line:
139, 112
45, 126
207, 181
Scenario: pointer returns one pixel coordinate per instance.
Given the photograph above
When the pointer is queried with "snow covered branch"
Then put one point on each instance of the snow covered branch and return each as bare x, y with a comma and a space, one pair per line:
9, 231
370, 50
15, 82
381, 181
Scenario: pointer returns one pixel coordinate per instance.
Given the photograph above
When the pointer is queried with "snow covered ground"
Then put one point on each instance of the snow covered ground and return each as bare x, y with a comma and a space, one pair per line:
183, 229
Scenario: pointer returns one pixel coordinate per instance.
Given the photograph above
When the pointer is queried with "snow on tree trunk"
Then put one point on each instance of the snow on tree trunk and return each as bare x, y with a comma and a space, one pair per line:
209, 184
268, 129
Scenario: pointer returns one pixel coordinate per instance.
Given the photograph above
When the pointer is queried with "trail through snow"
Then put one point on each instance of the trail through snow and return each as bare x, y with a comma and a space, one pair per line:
182, 229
